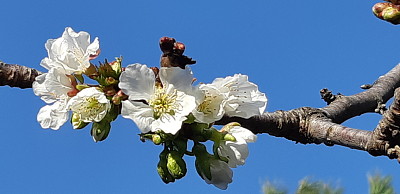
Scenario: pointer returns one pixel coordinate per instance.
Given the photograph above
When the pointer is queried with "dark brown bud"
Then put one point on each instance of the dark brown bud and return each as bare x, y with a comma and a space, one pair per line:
167, 44
179, 48
396, 2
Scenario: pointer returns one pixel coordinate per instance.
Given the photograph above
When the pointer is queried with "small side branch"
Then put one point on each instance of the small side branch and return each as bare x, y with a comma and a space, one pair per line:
386, 136
370, 100
17, 75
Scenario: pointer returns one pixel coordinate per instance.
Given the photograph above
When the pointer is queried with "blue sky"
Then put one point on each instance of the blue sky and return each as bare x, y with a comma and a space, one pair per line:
291, 49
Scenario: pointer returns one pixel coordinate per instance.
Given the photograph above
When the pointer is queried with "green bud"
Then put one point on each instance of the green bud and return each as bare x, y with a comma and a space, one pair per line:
156, 139
117, 65
100, 130
229, 137
202, 162
81, 87
162, 169
76, 122
391, 14
111, 81
176, 165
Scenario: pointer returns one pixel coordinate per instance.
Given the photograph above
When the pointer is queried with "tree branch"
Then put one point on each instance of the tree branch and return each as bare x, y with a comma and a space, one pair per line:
17, 75
305, 125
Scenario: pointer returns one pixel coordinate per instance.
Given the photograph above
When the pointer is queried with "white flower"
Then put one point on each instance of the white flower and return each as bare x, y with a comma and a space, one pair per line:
221, 174
153, 107
236, 151
210, 104
244, 98
53, 87
233, 96
90, 105
72, 51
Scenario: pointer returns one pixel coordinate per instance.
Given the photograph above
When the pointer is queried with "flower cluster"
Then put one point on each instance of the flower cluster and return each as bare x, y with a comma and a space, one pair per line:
63, 87
163, 102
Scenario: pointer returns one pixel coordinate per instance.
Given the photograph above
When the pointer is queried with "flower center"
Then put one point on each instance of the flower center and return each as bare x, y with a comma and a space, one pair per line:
90, 107
206, 106
162, 102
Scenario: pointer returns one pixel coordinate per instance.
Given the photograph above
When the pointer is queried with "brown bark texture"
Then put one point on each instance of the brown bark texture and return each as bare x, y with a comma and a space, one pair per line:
306, 125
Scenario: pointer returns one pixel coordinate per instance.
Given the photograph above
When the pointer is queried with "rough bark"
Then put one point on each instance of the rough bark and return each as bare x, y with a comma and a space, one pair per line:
17, 75
307, 125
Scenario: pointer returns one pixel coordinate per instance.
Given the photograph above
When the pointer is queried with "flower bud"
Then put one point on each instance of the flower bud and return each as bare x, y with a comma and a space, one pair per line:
391, 14
229, 137
162, 169
396, 2
76, 122
109, 91
156, 139
100, 130
117, 98
388, 12
179, 48
117, 65
176, 165
202, 162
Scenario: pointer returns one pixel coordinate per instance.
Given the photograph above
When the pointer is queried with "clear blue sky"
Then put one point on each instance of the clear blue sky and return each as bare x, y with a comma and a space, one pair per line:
291, 49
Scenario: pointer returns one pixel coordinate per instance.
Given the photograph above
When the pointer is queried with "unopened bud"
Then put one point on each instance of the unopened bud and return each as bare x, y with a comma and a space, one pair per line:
167, 44
388, 12
111, 81
179, 48
176, 165
391, 14
162, 169
76, 122
117, 65
396, 2
117, 98
100, 130
229, 137
202, 162
109, 91
156, 139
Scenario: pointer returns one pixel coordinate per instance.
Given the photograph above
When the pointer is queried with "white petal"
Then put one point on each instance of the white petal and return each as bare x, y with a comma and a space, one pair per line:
173, 123
167, 123
181, 78
53, 116
137, 81
57, 82
140, 113
236, 152
90, 112
221, 174
244, 98
93, 48
209, 105
241, 132
39, 88
71, 51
